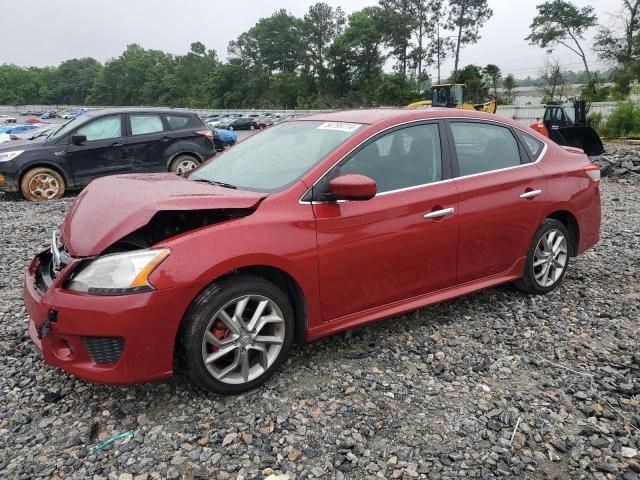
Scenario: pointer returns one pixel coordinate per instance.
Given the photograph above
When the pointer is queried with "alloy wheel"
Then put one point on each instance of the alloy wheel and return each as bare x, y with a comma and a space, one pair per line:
44, 185
550, 258
185, 166
243, 339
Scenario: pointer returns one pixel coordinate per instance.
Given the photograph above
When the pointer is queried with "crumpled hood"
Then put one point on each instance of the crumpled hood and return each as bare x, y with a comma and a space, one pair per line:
112, 207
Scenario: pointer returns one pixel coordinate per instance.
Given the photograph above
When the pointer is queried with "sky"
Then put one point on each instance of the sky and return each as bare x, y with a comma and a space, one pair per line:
46, 32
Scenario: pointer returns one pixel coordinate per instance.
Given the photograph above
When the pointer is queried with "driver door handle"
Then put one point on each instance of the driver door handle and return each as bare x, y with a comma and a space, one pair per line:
116, 144
440, 213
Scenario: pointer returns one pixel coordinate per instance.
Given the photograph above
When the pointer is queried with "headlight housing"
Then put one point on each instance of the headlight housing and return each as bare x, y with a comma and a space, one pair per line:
118, 274
6, 156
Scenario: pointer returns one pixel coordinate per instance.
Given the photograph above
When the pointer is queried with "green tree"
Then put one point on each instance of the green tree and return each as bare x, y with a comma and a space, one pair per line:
476, 90
397, 29
620, 45
509, 85
276, 43
493, 75
394, 89
322, 24
356, 57
466, 17
560, 22
554, 82
425, 30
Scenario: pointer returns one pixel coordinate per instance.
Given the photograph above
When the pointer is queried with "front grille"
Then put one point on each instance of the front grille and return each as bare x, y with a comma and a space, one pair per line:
105, 350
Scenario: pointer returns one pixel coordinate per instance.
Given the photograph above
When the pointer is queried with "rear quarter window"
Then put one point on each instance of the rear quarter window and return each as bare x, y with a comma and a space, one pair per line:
176, 122
532, 145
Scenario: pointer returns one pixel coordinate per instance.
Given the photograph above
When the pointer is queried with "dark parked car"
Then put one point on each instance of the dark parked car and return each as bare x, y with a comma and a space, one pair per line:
242, 123
105, 142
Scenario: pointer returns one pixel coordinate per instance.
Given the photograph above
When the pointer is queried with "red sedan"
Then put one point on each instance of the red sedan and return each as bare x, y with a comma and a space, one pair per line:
314, 226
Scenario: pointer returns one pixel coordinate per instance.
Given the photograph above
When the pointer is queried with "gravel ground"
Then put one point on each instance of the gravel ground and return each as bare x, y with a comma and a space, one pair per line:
498, 384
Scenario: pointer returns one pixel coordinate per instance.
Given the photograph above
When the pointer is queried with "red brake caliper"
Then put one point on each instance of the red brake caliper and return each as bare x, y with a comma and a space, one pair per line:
220, 331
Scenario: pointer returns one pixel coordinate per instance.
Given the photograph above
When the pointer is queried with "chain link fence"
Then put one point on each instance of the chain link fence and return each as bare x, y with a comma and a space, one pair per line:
526, 114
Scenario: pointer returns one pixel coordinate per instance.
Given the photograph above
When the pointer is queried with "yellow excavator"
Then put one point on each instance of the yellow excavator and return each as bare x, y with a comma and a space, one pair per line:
451, 95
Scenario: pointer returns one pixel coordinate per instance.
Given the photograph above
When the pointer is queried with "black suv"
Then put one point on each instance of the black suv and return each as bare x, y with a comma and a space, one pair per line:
105, 142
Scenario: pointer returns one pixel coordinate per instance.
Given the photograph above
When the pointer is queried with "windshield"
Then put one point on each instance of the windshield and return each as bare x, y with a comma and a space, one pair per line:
65, 128
273, 159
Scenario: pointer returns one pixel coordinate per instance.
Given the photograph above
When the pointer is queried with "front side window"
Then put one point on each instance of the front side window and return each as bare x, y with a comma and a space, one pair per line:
275, 158
144, 124
102, 129
404, 158
481, 147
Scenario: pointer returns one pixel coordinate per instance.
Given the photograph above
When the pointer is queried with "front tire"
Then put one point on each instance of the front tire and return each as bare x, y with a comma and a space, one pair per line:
183, 164
547, 258
236, 334
42, 184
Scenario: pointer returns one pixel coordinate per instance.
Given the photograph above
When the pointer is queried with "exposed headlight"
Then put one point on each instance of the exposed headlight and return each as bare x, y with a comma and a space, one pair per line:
6, 156
118, 274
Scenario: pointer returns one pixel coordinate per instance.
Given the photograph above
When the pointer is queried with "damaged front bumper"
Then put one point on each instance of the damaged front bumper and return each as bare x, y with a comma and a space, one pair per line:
107, 339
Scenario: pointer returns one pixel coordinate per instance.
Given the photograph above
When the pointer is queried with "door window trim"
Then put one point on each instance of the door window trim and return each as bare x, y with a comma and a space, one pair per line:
447, 145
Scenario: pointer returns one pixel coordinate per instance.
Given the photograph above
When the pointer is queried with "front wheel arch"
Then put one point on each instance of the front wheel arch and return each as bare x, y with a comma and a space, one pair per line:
40, 164
209, 300
278, 277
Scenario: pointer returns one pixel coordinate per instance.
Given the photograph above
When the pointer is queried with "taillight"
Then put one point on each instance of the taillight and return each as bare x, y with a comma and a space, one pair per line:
593, 171
206, 133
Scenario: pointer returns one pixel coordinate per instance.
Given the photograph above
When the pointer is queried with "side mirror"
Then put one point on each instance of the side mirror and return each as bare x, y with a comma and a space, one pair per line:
353, 186
78, 139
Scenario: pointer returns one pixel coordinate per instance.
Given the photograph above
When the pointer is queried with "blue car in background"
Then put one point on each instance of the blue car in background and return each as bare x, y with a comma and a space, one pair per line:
224, 138
18, 129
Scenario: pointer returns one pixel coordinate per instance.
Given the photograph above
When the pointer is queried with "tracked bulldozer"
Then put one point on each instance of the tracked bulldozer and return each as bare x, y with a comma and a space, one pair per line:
569, 126
451, 95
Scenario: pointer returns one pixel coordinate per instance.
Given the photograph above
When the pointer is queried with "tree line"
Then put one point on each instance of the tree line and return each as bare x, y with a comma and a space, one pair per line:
327, 59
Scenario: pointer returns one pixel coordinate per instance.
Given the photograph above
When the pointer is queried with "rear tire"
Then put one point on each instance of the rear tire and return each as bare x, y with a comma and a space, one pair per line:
183, 164
223, 319
42, 184
547, 258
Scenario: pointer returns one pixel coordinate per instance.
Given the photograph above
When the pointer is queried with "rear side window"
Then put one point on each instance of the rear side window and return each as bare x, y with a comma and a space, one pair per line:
481, 147
532, 145
176, 122
144, 124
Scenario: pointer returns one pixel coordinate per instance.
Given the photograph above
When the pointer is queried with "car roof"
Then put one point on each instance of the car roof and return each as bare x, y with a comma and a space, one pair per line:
111, 111
400, 115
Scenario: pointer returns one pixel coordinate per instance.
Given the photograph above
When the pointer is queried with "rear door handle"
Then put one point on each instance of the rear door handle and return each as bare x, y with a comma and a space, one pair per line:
116, 144
531, 194
166, 138
440, 213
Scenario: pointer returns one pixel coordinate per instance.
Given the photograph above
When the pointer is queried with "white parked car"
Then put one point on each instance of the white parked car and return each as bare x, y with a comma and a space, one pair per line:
7, 119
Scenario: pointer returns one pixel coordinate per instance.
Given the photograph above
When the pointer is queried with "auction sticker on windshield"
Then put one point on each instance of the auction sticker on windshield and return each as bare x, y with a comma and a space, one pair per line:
340, 126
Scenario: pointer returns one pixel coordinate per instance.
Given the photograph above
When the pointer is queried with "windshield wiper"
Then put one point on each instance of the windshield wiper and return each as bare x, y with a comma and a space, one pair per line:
215, 182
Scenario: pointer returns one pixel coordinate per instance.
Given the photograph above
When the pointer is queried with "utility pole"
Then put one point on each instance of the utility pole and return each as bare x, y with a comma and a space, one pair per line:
438, 40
